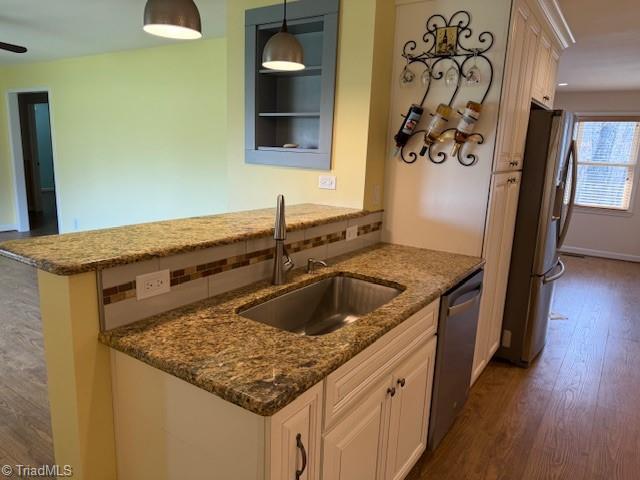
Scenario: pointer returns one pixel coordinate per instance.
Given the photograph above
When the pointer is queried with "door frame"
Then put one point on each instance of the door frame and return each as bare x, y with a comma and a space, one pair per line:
15, 145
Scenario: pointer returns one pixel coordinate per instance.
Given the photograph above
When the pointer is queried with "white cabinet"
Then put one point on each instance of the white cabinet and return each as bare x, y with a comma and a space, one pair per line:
410, 406
541, 73
516, 93
384, 435
294, 433
352, 448
503, 206
546, 67
376, 419
367, 420
553, 75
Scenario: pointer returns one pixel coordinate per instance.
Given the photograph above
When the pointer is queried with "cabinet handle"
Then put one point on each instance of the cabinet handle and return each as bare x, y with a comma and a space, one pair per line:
303, 452
401, 382
546, 97
391, 391
514, 164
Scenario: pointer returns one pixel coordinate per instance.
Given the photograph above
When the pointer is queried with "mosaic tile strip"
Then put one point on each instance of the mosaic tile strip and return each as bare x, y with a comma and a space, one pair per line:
182, 275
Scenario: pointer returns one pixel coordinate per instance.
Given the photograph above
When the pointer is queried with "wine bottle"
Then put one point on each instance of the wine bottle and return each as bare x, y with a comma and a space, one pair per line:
436, 126
465, 126
408, 126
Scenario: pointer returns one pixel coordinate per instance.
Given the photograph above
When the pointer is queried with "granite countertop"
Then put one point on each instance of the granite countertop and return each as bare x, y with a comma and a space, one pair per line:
261, 368
79, 252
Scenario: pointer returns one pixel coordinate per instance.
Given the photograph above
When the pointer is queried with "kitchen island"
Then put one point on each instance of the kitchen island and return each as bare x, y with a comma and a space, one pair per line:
205, 349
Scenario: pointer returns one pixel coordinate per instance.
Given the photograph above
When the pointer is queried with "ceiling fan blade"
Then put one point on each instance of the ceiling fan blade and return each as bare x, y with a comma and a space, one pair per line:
12, 48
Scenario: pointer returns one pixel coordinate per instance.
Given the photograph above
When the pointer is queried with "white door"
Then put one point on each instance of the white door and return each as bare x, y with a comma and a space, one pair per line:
554, 59
507, 230
509, 104
294, 438
505, 188
541, 78
353, 448
410, 408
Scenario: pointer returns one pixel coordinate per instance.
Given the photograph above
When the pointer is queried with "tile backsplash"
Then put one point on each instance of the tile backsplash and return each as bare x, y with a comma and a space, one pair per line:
205, 273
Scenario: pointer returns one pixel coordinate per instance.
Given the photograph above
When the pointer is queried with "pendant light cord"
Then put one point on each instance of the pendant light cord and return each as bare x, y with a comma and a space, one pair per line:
284, 18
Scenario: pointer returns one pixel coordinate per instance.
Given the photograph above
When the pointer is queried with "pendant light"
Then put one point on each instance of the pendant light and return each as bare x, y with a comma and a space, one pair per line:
283, 51
178, 19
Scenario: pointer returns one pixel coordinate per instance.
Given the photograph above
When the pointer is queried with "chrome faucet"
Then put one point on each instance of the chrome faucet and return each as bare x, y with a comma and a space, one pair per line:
282, 263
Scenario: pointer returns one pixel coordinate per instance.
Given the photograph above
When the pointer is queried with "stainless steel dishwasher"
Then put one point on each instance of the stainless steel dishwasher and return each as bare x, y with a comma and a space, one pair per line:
457, 325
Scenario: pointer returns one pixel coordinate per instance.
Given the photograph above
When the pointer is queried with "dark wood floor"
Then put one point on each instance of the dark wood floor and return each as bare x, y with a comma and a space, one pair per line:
572, 416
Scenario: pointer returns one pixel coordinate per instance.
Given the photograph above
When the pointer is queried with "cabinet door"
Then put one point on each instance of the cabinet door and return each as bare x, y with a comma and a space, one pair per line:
554, 58
505, 188
521, 120
410, 408
541, 74
509, 105
353, 449
294, 438
505, 245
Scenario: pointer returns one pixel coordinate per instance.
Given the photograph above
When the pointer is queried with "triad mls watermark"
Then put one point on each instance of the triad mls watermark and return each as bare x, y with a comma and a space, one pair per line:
29, 471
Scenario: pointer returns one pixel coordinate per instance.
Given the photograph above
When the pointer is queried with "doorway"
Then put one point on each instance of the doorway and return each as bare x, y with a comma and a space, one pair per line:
37, 156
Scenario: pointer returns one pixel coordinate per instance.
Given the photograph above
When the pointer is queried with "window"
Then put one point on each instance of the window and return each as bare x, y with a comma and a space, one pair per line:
607, 158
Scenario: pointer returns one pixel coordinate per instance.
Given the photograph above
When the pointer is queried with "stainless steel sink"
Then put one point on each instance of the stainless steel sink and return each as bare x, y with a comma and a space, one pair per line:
323, 306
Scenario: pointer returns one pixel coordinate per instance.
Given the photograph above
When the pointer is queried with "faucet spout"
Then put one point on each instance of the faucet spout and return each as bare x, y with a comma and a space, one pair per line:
282, 263
280, 229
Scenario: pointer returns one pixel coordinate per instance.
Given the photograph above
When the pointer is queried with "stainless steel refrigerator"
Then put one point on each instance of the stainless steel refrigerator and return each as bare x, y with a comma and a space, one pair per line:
544, 211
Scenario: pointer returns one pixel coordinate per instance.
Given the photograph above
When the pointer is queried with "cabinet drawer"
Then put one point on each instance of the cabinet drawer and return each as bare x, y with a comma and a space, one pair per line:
351, 380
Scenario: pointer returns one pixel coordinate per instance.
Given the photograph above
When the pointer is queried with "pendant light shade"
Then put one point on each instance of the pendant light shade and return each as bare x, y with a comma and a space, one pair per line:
283, 51
178, 19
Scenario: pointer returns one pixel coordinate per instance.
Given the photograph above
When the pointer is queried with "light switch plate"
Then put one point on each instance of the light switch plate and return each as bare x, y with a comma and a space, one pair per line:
327, 182
152, 284
352, 233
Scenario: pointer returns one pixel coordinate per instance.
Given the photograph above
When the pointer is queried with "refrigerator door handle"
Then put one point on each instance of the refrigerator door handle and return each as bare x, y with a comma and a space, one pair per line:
463, 307
555, 276
573, 153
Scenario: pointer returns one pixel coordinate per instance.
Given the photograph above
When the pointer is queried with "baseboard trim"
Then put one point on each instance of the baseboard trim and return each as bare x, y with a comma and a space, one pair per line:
600, 254
8, 228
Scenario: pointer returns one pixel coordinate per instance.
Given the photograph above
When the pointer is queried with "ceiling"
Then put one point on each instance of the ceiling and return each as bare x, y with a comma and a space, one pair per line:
606, 54
53, 29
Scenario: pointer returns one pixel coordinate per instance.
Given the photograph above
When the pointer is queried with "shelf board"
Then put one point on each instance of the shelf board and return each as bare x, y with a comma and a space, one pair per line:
311, 70
282, 149
289, 114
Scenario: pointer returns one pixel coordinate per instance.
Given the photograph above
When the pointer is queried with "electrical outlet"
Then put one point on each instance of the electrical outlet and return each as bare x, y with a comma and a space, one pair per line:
152, 284
327, 182
352, 233
506, 338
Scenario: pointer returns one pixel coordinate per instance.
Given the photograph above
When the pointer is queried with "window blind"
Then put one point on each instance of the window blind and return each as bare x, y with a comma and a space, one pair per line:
607, 158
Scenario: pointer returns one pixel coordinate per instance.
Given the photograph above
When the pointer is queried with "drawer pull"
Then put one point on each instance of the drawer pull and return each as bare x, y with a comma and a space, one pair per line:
401, 382
303, 452
391, 391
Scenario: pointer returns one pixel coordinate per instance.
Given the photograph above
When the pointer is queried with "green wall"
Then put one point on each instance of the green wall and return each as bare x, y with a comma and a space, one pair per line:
137, 135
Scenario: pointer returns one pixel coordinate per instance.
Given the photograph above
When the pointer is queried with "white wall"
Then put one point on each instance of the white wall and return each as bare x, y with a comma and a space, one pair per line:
615, 235
443, 207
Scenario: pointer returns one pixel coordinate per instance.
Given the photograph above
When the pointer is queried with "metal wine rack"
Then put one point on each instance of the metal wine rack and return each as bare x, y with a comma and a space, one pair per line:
459, 56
